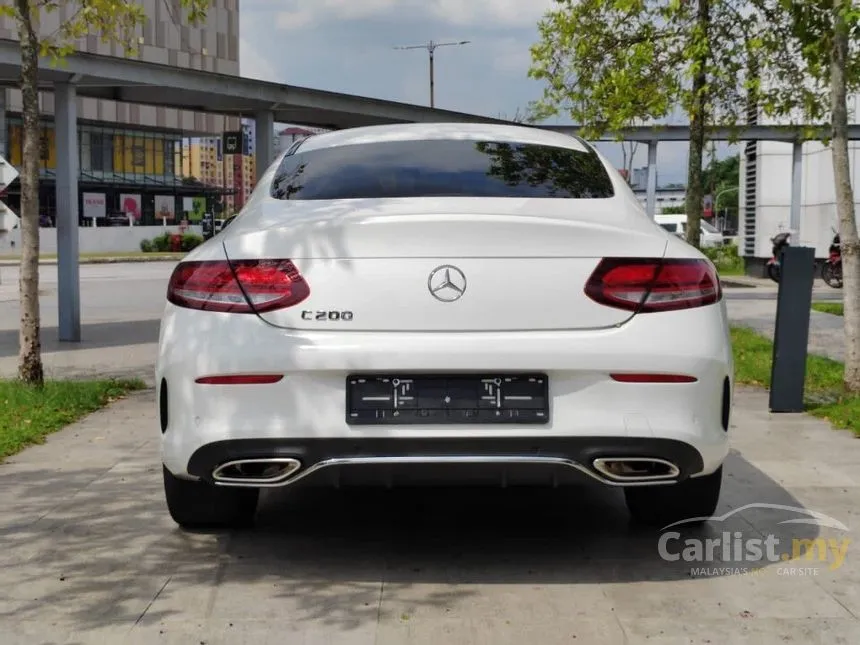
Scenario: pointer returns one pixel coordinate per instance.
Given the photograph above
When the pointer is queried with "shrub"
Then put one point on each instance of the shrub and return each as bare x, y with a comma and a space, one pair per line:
726, 258
161, 243
191, 241
171, 243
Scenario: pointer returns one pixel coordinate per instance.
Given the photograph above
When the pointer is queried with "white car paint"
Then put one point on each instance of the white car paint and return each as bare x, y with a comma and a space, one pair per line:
526, 262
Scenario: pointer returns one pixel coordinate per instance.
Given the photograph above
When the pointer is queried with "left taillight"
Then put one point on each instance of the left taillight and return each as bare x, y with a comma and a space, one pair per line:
237, 286
650, 285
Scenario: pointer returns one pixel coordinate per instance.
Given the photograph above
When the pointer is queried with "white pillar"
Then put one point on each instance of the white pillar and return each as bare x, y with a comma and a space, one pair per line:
264, 144
651, 190
68, 279
796, 179
4, 152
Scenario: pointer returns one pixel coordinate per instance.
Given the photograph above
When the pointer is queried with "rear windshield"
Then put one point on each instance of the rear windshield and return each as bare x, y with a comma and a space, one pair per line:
441, 168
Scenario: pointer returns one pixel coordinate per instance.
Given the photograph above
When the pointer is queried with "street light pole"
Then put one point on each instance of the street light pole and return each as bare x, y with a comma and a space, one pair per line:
431, 49
717, 200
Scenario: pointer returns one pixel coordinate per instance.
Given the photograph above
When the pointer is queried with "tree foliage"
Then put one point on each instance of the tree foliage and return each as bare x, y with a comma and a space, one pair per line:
609, 63
720, 176
824, 37
110, 20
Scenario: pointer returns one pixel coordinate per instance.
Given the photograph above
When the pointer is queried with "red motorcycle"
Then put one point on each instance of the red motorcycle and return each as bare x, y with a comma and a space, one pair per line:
831, 269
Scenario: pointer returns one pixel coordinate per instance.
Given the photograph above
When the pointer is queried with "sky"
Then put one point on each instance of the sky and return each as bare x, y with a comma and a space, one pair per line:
348, 46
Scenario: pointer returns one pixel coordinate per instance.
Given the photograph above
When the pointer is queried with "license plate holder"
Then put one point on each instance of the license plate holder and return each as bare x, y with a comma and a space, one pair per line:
424, 399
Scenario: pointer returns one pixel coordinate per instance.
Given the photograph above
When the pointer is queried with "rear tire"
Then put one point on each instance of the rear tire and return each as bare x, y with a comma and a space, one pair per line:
773, 272
832, 275
200, 505
662, 505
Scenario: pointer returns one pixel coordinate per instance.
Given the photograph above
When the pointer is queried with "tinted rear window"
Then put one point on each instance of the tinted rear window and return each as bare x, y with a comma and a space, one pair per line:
441, 168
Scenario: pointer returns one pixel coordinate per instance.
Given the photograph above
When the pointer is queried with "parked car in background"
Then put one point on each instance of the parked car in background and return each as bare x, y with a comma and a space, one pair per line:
677, 224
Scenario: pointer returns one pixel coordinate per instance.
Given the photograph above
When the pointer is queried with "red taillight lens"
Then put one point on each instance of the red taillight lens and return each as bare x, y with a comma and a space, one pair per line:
240, 286
648, 285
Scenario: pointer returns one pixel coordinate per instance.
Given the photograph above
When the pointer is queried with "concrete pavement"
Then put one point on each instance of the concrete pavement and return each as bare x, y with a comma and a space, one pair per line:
90, 554
755, 307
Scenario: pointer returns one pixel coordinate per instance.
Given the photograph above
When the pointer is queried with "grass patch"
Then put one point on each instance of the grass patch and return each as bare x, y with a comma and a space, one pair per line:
28, 414
824, 391
835, 308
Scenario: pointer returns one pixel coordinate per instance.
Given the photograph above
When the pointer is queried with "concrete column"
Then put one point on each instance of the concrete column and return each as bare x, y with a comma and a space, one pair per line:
796, 179
264, 144
651, 190
69, 288
4, 150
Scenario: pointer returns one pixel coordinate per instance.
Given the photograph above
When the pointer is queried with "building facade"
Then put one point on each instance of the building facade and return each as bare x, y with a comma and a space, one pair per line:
765, 195
128, 153
225, 163
165, 38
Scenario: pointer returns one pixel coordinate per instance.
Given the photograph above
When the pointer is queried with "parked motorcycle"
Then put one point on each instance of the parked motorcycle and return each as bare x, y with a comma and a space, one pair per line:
831, 269
780, 241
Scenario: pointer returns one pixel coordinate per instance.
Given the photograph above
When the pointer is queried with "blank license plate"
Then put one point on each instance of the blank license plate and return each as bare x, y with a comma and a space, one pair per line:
432, 399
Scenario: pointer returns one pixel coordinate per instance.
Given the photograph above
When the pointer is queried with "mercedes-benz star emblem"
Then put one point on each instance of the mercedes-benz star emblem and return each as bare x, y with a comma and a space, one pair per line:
446, 283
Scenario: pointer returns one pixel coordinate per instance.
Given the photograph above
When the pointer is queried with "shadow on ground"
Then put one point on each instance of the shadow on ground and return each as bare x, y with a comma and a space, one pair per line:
94, 335
109, 554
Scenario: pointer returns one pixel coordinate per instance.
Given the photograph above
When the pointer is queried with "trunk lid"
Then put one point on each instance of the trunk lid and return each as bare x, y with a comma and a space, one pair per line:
477, 266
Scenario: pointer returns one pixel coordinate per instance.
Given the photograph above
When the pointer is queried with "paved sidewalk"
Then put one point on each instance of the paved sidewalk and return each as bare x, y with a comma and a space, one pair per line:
90, 555
826, 331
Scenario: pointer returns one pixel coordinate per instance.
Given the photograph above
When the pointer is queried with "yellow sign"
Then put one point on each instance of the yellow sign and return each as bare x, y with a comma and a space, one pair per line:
133, 154
47, 147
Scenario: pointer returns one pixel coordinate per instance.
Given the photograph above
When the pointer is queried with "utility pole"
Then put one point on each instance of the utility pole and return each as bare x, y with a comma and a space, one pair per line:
431, 48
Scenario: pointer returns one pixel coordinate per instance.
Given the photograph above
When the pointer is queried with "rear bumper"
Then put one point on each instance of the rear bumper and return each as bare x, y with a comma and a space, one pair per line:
506, 461
305, 410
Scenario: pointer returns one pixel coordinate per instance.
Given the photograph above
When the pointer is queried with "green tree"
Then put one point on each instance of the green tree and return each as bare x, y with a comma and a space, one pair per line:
112, 21
721, 178
817, 45
609, 63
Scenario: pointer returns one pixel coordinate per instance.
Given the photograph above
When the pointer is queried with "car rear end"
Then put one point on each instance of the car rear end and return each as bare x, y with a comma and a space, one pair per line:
530, 326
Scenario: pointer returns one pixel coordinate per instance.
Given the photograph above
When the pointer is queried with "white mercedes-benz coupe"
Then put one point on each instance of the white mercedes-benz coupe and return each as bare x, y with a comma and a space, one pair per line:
443, 303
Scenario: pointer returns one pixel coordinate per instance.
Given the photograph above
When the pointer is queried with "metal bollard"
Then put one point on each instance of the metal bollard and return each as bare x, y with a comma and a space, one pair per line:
791, 335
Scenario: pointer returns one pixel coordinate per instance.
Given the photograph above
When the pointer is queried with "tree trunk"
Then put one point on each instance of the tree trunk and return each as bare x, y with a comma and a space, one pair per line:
698, 119
845, 199
30, 347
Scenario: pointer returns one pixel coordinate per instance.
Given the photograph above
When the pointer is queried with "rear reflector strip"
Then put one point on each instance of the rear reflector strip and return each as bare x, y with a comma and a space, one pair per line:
653, 378
240, 379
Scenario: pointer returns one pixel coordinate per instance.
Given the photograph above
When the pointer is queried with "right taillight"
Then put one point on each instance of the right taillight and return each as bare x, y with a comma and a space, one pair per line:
239, 286
648, 285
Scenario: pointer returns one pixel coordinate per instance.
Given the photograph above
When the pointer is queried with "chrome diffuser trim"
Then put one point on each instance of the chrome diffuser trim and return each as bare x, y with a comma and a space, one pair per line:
448, 459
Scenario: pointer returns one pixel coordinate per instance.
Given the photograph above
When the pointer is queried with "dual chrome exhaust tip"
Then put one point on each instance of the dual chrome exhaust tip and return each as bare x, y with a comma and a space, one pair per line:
282, 471
636, 469
272, 471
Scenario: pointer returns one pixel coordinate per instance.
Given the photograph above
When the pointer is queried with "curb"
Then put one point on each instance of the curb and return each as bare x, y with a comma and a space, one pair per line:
737, 284
106, 260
